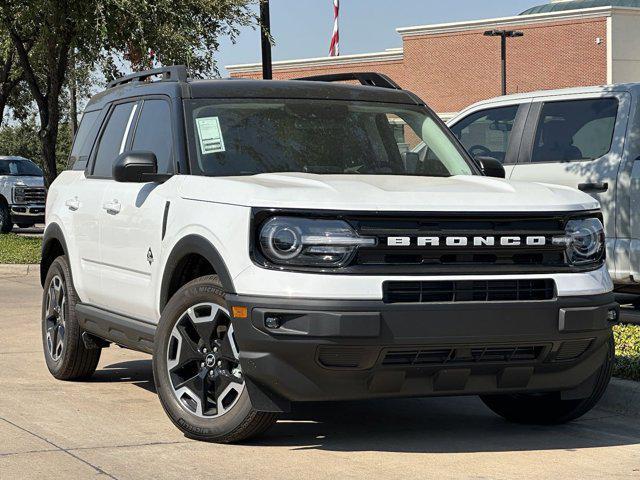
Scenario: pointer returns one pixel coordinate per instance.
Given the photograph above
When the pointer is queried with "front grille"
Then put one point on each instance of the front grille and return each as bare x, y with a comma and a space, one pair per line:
573, 349
443, 258
30, 195
468, 291
459, 354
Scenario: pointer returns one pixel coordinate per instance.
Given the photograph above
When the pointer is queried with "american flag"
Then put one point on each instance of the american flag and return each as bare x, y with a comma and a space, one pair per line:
334, 49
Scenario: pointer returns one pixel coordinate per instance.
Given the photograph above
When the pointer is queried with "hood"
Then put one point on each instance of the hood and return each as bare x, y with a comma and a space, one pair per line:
28, 181
384, 192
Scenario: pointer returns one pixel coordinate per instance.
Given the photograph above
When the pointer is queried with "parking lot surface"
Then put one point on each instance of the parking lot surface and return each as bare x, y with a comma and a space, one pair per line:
114, 427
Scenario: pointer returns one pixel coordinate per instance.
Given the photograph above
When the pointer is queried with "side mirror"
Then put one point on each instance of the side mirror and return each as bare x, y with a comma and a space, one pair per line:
411, 160
135, 167
491, 167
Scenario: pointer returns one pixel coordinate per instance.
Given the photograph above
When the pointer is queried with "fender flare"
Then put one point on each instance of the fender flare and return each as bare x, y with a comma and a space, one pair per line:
194, 244
53, 232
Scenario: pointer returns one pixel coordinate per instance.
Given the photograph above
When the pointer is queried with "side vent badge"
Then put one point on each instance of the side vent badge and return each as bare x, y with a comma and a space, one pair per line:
150, 256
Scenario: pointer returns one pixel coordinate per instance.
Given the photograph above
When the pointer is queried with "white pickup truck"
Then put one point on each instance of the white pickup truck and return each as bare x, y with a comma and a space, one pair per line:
22, 193
586, 138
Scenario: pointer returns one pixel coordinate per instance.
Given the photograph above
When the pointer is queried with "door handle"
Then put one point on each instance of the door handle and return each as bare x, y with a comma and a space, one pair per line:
600, 187
112, 208
72, 204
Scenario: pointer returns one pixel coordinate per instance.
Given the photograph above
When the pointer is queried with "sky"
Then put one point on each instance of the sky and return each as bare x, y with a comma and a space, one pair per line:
302, 28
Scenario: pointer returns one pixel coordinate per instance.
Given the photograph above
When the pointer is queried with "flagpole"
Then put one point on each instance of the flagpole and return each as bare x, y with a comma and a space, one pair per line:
334, 48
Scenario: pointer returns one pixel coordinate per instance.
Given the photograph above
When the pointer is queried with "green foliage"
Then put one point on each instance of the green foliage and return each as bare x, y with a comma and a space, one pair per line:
627, 351
21, 138
15, 249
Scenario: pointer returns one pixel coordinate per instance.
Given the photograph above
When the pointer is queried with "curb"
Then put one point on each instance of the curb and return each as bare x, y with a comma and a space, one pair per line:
622, 397
9, 270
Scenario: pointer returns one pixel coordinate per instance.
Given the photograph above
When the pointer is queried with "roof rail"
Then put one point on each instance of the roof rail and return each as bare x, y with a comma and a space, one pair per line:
370, 79
173, 73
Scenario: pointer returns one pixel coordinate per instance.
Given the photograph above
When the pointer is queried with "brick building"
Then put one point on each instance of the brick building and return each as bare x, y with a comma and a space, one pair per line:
566, 43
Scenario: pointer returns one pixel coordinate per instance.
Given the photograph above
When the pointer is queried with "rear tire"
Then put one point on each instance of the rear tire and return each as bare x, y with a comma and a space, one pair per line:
64, 351
549, 408
6, 225
197, 371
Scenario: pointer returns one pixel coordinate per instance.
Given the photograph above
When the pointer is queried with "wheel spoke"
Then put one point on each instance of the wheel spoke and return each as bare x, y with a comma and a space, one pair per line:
188, 350
198, 387
59, 340
226, 350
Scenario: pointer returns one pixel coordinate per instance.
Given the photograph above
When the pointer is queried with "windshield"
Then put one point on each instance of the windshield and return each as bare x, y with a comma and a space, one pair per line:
19, 167
234, 137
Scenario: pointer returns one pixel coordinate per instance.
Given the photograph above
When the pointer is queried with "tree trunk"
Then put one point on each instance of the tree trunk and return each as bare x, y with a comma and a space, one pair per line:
3, 104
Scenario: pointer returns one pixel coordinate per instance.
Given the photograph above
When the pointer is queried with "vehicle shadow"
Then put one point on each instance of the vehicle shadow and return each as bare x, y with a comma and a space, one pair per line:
421, 425
135, 372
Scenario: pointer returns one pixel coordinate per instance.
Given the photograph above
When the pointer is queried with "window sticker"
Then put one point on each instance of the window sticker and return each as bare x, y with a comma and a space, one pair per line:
210, 135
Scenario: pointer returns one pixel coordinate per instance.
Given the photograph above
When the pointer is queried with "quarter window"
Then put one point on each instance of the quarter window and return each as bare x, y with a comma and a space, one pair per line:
575, 130
84, 139
112, 142
153, 133
487, 132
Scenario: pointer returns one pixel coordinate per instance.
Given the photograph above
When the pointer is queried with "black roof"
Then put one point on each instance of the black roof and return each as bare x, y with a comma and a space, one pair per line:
247, 89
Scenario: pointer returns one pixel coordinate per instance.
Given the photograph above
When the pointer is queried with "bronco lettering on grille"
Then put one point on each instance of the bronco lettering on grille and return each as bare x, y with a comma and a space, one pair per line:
487, 241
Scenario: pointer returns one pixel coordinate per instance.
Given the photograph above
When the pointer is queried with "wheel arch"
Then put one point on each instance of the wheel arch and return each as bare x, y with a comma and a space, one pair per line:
53, 246
189, 247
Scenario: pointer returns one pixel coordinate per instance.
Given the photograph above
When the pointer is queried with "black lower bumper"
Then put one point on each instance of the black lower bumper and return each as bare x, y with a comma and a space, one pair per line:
27, 214
343, 350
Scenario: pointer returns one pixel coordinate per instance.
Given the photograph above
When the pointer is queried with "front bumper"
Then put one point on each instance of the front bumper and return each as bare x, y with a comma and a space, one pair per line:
27, 213
356, 349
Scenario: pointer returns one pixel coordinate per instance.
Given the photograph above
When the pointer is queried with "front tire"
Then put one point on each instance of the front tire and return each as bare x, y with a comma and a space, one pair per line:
549, 408
6, 225
197, 371
64, 351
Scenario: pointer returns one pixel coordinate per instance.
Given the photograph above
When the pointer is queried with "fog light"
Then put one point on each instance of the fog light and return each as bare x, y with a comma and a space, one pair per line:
272, 322
612, 315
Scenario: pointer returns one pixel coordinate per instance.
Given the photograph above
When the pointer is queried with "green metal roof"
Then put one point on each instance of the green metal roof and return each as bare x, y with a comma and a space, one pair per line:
577, 4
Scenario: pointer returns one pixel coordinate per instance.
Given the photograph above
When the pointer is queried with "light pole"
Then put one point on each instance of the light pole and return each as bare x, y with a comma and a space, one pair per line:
265, 33
503, 34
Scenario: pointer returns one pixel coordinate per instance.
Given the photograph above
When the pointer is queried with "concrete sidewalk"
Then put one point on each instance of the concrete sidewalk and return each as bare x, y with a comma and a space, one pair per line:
113, 426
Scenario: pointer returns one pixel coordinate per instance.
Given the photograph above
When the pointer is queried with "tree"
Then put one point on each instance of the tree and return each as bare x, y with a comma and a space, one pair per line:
10, 75
47, 33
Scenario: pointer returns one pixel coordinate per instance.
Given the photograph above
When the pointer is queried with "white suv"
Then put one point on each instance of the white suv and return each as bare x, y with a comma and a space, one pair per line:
268, 243
586, 138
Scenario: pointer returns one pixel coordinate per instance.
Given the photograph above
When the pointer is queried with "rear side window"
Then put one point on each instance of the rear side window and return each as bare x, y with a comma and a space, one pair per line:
487, 132
575, 130
153, 133
113, 139
85, 136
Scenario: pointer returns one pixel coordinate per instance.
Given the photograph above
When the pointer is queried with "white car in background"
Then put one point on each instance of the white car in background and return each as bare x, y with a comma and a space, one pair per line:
22, 193
586, 138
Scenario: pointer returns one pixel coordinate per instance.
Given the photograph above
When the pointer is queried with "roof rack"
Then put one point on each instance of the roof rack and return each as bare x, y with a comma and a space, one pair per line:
370, 79
173, 73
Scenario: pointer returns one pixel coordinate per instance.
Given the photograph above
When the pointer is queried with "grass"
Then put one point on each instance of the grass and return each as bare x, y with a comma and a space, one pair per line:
15, 249
627, 352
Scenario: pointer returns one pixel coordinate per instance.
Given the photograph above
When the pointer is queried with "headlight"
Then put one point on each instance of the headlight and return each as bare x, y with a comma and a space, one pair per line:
18, 195
584, 240
310, 242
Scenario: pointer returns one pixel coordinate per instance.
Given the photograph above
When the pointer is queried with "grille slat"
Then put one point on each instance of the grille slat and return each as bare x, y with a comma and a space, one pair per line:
468, 291
459, 354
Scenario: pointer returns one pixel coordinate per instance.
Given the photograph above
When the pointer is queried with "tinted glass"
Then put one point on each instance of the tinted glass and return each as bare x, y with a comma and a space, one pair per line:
111, 142
321, 137
19, 167
85, 136
153, 133
575, 130
487, 133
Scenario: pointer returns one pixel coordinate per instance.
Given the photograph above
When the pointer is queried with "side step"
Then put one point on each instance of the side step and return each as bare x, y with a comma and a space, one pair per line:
125, 331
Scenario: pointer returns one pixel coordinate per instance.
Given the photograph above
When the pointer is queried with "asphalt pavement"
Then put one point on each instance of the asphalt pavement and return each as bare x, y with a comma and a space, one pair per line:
114, 427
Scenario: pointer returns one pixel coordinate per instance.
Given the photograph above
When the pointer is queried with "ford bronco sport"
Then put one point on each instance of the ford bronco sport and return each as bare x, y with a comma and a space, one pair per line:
268, 243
